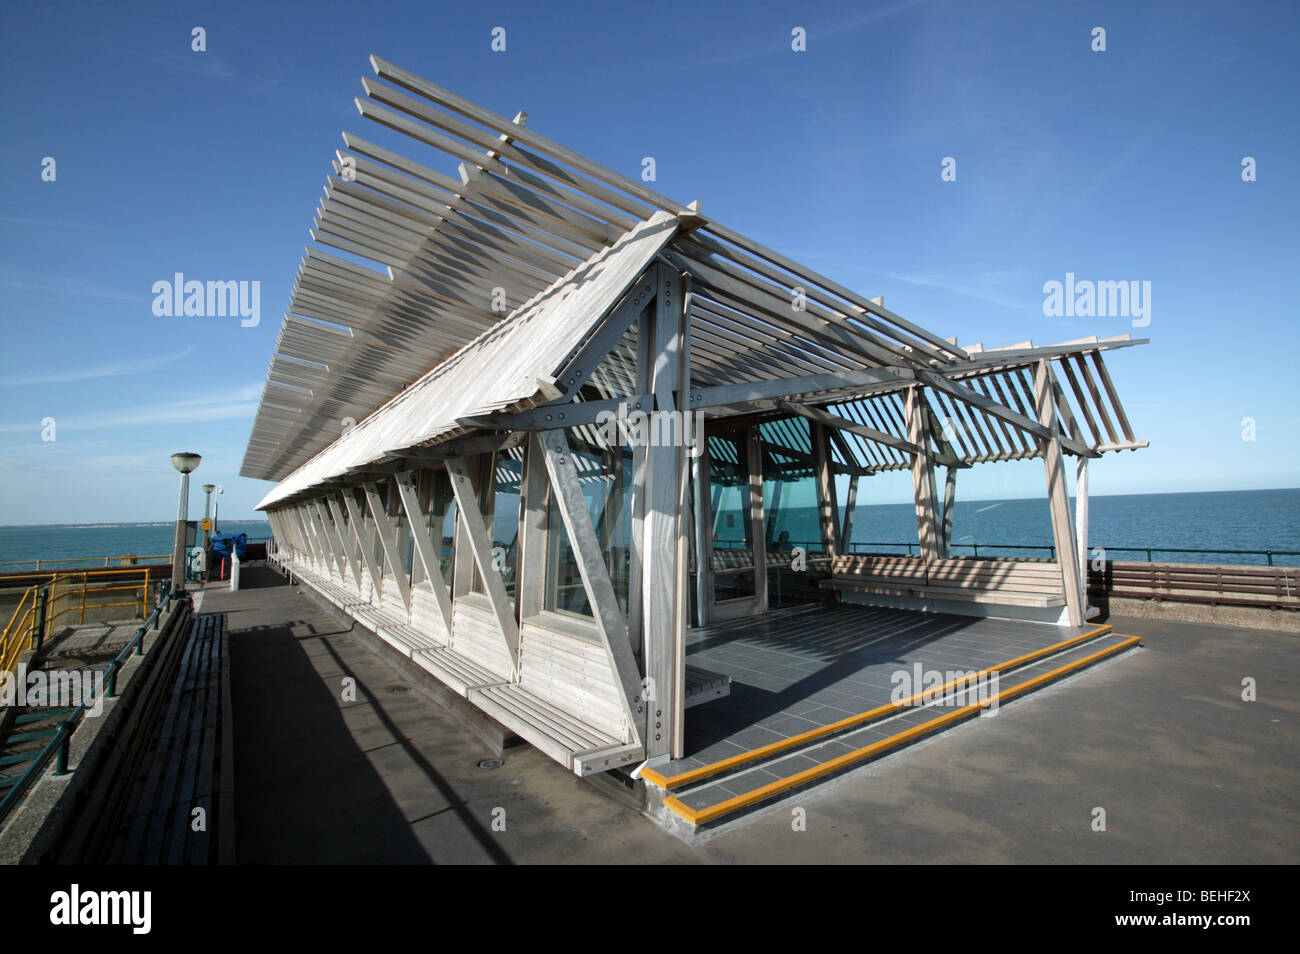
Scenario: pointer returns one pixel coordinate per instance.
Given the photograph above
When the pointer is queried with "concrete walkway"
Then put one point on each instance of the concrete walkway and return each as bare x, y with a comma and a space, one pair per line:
1160, 739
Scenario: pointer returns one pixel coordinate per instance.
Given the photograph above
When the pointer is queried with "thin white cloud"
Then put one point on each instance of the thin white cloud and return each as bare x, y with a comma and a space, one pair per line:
960, 288
815, 34
103, 371
62, 285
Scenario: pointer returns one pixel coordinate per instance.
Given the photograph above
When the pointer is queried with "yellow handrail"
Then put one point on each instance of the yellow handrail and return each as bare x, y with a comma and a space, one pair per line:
23, 624
28, 592
17, 632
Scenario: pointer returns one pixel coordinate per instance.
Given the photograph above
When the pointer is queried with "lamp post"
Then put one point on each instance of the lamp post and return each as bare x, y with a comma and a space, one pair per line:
185, 463
216, 508
207, 512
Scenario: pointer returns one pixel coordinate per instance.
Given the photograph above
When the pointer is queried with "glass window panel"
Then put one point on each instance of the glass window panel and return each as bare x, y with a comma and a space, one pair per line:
605, 477
790, 504
733, 556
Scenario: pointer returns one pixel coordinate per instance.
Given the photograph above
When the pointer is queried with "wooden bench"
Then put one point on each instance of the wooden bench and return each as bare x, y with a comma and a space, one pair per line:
1263, 587
189, 764
703, 685
566, 701
456, 671
461, 668
1012, 582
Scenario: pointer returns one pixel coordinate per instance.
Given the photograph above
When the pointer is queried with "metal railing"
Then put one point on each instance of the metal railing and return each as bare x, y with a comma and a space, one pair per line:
84, 561
58, 746
44, 604
1266, 555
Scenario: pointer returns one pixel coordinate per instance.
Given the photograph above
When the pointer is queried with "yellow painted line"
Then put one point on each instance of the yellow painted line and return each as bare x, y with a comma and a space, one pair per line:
702, 815
772, 748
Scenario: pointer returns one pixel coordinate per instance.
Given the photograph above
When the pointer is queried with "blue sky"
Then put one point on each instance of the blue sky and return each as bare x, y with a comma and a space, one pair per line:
1122, 165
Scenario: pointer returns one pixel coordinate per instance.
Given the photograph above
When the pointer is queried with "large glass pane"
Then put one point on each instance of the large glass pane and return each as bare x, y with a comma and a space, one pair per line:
790, 503
498, 492
733, 555
442, 519
605, 476
792, 513
507, 478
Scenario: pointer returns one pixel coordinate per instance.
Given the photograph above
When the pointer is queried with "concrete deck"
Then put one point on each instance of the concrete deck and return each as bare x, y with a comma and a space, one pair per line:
1186, 771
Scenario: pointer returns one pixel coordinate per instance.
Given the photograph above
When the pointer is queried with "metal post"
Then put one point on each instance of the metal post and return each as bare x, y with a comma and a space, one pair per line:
61, 763
40, 617
178, 541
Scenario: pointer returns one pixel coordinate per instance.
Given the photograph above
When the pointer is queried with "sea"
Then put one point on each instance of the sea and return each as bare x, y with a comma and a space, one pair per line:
1126, 526
1129, 527
71, 542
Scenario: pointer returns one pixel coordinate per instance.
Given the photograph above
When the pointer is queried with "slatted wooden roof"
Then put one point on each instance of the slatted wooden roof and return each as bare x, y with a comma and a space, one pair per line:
402, 335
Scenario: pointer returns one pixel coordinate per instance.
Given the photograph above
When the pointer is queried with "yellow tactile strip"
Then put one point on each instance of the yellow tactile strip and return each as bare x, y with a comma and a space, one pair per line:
711, 812
668, 783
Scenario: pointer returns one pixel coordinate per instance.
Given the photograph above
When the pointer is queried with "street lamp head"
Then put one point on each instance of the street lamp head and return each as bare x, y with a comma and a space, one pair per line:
185, 462
208, 488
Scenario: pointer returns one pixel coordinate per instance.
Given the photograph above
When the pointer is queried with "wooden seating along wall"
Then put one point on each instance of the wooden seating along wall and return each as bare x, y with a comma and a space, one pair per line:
189, 764
1012, 582
1265, 587
564, 698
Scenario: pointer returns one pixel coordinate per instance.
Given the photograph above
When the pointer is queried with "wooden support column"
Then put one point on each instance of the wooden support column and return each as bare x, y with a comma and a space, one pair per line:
757, 520
1058, 500
949, 502
846, 535
480, 544
927, 524
827, 505
345, 539
320, 524
320, 533
530, 588
427, 553
692, 438
663, 601
317, 561
703, 542
360, 531
1081, 528
389, 540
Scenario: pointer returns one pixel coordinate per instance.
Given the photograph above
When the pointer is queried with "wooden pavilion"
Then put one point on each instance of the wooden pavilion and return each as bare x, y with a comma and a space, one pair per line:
475, 483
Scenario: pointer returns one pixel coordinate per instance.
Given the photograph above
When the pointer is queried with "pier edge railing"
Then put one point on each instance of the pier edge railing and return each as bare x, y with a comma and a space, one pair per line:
860, 547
